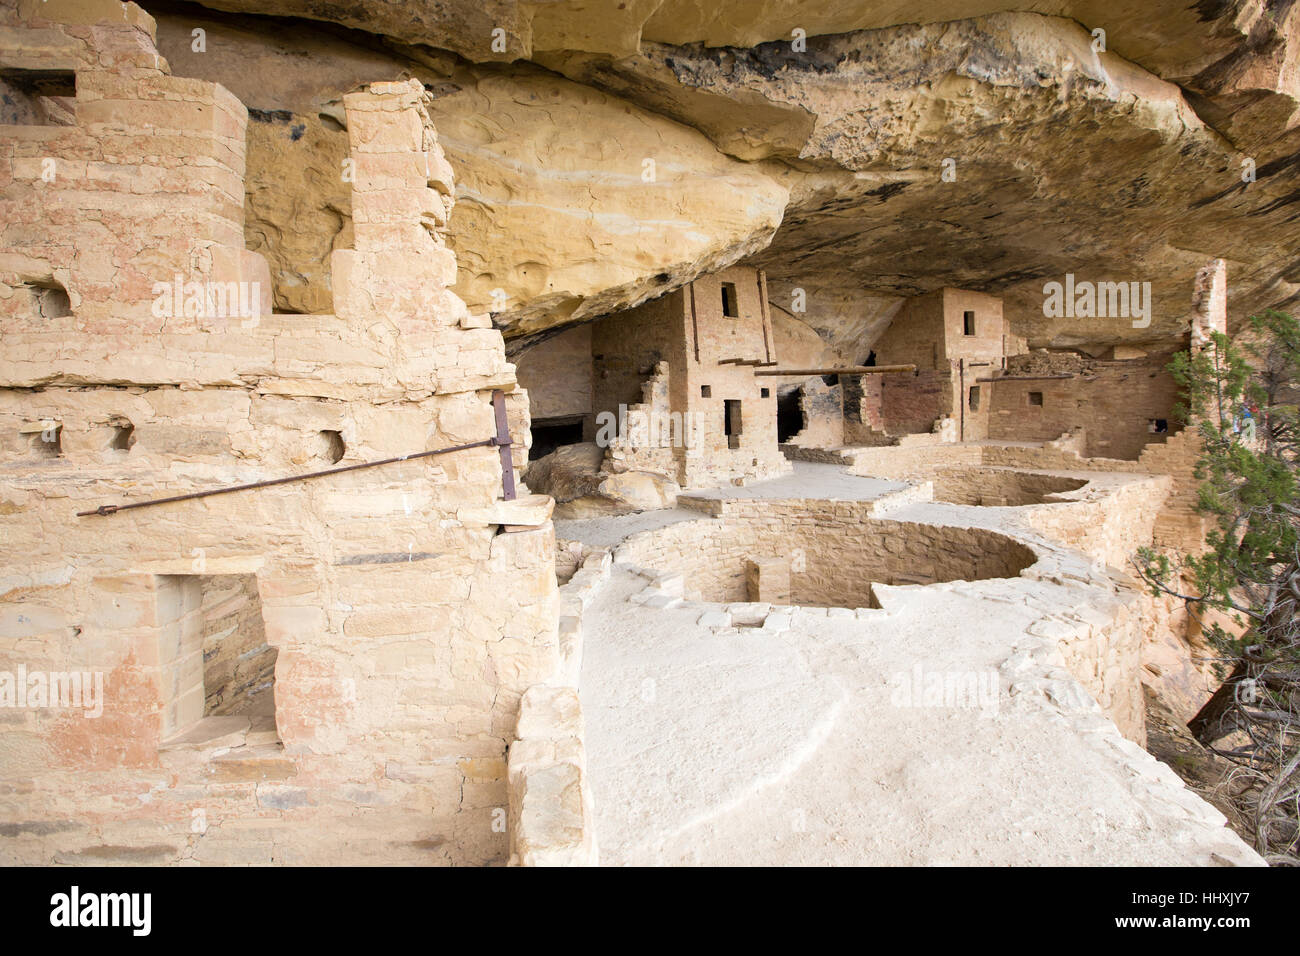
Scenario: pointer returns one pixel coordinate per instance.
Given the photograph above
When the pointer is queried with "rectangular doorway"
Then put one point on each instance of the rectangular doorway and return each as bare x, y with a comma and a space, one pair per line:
731, 422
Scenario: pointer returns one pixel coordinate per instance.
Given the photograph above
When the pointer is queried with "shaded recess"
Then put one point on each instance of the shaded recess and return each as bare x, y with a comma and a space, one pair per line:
990, 487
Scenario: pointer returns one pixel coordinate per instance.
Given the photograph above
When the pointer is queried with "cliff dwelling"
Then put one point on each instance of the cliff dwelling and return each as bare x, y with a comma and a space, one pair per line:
577, 446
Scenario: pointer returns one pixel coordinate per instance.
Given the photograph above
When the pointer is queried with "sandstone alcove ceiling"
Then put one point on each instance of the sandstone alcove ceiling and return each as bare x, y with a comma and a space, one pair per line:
632, 157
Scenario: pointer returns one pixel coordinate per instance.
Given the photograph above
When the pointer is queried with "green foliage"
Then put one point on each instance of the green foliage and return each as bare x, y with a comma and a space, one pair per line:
1250, 567
1250, 489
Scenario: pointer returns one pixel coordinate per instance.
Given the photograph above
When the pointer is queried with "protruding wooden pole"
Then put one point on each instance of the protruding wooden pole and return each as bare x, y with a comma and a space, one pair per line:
847, 370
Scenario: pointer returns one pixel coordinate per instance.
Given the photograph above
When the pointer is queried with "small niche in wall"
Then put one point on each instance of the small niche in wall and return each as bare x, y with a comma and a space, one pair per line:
765, 393
1158, 426
706, 391
729, 306
49, 300
38, 97
331, 446
968, 323
974, 398
1035, 398
122, 434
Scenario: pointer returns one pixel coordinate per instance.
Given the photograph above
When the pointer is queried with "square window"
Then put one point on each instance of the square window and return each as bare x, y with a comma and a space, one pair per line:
706, 391
765, 392
1035, 398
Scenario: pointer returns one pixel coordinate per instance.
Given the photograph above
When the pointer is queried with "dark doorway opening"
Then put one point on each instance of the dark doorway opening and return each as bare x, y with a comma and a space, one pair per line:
732, 424
730, 308
789, 415
550, 433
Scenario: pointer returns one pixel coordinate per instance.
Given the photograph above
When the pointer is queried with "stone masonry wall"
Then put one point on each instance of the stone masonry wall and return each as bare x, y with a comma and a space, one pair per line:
718, 342
1100, 647
397, 679
557, 374
687, 330
1113, 401
990, 486
837, 550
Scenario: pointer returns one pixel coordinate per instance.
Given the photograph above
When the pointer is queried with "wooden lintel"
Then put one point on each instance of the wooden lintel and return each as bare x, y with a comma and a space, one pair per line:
848, 370
1023, 378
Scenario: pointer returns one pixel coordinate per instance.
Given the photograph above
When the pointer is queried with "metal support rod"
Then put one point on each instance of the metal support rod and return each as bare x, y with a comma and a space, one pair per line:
500, 440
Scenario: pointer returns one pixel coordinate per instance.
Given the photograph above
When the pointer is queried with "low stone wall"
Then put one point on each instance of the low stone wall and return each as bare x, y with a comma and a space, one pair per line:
1155, 508
1177, 526
843, 555
1109, 523
836, 550
914, 461
550, 803
1100, 645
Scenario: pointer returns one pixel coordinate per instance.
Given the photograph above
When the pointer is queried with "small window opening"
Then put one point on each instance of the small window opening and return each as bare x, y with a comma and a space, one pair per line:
729, 306
765, 393
968, 323
974, 398
732, 423
1035, 398
38, 97
706, 391
1158, 426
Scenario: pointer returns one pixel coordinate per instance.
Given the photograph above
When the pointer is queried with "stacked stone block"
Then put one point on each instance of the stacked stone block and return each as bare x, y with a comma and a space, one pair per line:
406, 626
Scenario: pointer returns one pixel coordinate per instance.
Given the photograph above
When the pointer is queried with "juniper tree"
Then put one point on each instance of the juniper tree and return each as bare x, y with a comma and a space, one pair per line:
1241, 399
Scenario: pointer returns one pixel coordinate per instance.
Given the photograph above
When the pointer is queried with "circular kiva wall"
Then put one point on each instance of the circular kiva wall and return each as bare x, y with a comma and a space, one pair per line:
993, 486
817, 558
